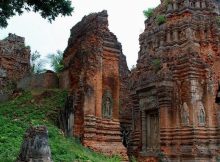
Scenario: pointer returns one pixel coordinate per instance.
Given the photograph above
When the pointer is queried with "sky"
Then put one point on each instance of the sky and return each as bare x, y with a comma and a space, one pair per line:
126, 21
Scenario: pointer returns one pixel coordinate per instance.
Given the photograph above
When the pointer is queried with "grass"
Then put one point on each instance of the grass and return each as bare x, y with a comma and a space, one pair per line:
38, 108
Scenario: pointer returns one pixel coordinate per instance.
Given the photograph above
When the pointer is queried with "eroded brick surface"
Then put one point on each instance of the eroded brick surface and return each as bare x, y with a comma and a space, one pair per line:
93, 79
175, 84
14, 59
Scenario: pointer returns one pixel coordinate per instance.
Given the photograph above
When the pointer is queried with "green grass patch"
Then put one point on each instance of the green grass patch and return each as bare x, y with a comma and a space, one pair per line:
40, 108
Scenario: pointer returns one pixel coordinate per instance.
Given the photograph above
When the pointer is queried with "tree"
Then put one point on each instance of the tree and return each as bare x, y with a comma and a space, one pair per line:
56, 61
37, 63
49, 9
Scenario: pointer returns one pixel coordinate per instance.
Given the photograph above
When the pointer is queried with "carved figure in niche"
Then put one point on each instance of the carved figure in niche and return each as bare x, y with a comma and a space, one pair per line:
185, 114
186, 3
107, 105
197, 34
192, 4
182, 35
190, 34
201, 113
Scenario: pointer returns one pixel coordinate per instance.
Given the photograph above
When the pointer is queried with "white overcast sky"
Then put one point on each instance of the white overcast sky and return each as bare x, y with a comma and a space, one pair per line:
126, 21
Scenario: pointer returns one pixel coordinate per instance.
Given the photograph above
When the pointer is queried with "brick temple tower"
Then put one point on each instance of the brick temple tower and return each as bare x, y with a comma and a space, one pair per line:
175, 85
92, 75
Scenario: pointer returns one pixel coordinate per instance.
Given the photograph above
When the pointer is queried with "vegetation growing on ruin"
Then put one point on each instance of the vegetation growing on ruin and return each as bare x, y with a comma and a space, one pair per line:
40, 107
148, 13
160, 19
156, 64
218, 20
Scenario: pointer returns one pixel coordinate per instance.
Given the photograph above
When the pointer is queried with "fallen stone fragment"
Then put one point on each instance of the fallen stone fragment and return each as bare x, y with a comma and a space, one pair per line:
35, 147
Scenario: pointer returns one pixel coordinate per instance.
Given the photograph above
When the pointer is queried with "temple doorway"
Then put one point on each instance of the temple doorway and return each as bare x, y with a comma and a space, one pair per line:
152, 130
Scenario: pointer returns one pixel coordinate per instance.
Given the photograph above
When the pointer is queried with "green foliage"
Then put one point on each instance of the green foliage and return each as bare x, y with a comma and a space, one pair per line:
148, 13
37, 63
56, 61
30, 109
166, 2
28, 46
156, 63
9, 87
47, 8
133, 159
160, 19
218, 20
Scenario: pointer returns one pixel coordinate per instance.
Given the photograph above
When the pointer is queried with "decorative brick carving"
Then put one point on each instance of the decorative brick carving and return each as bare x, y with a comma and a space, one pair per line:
92, 67
182, 88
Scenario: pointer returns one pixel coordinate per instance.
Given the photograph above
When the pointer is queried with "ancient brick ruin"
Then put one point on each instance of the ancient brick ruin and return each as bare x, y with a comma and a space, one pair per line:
45, 80
167, 108
175, 86
35, 146
14, 59
92, 76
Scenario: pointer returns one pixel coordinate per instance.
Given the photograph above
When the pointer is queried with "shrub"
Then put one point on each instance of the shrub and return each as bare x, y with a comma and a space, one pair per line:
160, 19
148, 13
156, 64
